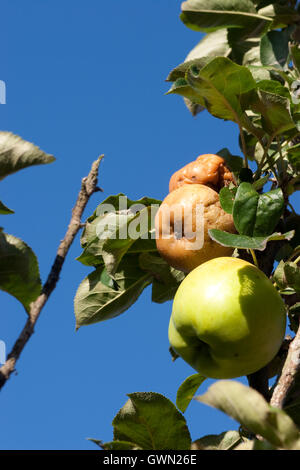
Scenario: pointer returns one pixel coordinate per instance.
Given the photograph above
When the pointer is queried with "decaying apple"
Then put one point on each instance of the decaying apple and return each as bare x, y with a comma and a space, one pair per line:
182, 223
208, 169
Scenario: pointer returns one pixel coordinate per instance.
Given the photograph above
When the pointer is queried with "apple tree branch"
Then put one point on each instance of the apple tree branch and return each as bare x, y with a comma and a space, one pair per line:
290, 372
88, 187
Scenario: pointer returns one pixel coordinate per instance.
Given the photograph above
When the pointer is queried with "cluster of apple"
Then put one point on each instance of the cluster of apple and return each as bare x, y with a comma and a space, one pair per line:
228, 320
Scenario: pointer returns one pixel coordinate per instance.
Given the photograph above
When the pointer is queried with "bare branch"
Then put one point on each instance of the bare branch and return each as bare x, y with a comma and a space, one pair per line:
88, 187
289, 373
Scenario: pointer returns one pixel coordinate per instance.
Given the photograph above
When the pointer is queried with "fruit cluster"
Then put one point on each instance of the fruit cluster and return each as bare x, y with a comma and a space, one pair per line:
228, 320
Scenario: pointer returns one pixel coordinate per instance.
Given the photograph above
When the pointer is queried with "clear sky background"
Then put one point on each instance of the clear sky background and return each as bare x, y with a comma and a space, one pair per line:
85, 78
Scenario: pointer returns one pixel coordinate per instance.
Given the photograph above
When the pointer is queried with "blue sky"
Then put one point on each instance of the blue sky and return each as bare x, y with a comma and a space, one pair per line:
85, 78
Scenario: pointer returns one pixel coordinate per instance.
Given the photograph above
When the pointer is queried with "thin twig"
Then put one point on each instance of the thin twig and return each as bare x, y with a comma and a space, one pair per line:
290, 371
265, 158
292, 208
88, 187
244, 146
254, 258
282, 173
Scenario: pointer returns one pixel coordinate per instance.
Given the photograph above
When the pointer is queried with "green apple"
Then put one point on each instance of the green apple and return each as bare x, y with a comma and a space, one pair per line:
228, 320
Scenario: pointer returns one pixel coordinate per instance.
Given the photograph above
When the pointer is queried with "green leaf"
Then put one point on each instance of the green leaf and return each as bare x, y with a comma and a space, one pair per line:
246, 444
135, 226
91, 255
257, 214
187, 391
182, 88
245, 176
254, 444
294, 317
224, 95
115, 445
292, 275
179, 72
194, 108
234, 162
152, 422
226, 441
245, 50
115, 204
245, 208
213, 44
284, 252
119, 225
95, 441
16, 154
201, 15
282, 15
226, 196
251, 410
279, 276
245, 242
262, 445
143, 246
295, 54
293, 155
173, 354
259, 184
251, 143
221, 91
274, 49
287, 291
5, 210
269, 210
95, 301
274, 107
19, 270
273, 86
166, 279
292, 222
258, 72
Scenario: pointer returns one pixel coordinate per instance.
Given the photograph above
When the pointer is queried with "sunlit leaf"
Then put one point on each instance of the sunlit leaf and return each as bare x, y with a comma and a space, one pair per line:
166, 279
274, 48
16, 154
187, 390
151, 421
96, 301
244, 242
5, 210
19, 270
251, 410
226, 441
201, 15
254, 214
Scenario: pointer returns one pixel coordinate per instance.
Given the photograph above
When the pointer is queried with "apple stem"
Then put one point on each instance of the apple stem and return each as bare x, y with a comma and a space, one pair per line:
254, 257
